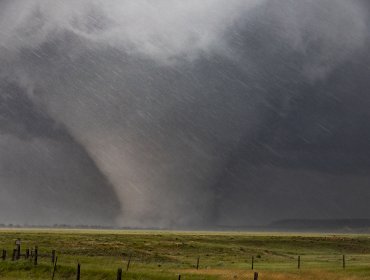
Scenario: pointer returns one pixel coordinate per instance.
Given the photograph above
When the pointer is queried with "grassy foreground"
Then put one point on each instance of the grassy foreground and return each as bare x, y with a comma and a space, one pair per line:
165, 255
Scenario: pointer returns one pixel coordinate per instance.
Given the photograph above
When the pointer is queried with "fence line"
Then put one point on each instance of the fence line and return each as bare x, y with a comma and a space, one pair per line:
301, 260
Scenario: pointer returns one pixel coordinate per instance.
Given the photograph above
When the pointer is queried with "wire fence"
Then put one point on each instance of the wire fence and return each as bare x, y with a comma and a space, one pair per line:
254, 263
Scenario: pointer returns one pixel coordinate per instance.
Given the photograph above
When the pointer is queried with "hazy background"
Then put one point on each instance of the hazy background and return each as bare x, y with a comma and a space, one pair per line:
175, 113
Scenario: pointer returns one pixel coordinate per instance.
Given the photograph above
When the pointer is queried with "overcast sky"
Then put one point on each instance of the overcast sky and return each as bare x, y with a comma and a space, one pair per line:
181, 113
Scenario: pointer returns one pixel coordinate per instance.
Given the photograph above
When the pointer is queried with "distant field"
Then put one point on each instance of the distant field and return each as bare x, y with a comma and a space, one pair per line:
165, 255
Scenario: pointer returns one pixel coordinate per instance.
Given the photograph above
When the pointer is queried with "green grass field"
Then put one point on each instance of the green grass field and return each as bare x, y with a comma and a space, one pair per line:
165, 255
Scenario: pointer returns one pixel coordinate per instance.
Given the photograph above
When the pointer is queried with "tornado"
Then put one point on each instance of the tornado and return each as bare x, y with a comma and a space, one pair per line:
176, 114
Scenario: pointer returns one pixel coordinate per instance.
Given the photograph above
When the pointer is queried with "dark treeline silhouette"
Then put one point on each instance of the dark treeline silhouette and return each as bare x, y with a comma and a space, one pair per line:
322, 224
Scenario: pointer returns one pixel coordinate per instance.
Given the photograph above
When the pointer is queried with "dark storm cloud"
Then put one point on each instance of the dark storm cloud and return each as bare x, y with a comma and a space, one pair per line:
20, 116
207, 114
324, 126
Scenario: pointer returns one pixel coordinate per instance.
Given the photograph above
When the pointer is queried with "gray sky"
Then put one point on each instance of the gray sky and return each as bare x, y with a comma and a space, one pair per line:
176, 113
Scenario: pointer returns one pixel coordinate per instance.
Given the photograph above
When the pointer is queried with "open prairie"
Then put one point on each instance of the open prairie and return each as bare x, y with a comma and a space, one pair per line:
166, 255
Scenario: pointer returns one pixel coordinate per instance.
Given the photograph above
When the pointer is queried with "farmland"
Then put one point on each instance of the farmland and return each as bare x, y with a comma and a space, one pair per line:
166, 255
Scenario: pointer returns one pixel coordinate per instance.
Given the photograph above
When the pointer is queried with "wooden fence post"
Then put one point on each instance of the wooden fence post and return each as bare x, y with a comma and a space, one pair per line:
198, 263
52, 256
119, 274
299, 262
252, 262
78, 271
255, 276
179, 277
27, 254
128, 263
344, 262
35, 256
4, 255
55, 267
14, 257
